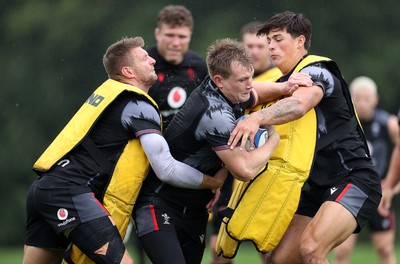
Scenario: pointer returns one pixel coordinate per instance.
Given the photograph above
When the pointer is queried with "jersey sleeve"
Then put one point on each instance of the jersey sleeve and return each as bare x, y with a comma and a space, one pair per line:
321, 77
215, 127
140, 117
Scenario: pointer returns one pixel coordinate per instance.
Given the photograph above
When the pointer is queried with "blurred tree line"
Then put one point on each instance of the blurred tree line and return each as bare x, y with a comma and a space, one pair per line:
51, 60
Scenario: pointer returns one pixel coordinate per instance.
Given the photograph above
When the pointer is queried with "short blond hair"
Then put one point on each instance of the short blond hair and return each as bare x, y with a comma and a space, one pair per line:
223, 52
363, 83
118, 56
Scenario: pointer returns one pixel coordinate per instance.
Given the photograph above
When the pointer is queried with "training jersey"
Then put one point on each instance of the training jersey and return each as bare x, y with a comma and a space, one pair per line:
198, 130
335, 161
379, 142
127, 117
175, 82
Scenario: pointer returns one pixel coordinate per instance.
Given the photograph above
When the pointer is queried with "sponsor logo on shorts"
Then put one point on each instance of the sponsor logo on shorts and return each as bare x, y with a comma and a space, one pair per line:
67, 221
333, 189
166, 219
62, 213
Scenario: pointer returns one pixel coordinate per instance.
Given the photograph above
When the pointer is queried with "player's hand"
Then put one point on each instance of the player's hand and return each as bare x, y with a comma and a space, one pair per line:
219, 178
386, 201
273, 136
214, 182
245, 129
210, 205
296, 80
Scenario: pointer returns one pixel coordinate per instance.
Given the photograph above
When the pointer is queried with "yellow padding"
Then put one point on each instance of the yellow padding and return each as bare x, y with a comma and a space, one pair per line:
130, 170
264, 207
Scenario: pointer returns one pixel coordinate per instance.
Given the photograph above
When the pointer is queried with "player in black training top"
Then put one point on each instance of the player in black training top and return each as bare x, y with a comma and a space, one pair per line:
171, 222
101, 156
179, 69
344, 186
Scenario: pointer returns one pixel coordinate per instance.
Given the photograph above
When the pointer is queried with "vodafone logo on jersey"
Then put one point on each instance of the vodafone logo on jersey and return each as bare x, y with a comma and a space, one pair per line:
62, 213
176, 97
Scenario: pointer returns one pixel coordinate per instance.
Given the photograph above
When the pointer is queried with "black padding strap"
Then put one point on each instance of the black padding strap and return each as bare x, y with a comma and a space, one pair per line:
227, 212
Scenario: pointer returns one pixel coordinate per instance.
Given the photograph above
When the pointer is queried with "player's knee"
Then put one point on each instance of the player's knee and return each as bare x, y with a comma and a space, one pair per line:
99, 240
309, 250
342, 252
385, 251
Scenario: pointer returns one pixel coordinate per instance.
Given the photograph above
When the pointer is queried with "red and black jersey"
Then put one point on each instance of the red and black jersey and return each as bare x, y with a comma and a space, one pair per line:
198, 130
175, 82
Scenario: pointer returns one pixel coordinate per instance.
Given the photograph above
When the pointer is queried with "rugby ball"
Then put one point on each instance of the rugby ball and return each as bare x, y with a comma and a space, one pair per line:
260, 137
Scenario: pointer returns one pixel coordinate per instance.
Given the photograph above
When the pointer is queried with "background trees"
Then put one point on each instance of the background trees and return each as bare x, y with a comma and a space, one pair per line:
51, 60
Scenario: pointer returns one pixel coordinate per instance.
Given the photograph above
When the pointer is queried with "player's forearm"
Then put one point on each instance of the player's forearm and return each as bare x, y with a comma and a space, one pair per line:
210, 182
283, 111
166, 167
269, 91
393, 175
248, 164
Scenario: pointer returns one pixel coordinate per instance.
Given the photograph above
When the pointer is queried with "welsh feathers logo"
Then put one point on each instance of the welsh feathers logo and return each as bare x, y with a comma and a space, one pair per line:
62, 213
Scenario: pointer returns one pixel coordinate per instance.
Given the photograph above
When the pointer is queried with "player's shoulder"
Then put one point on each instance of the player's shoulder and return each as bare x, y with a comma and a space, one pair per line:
381, 116
139, 104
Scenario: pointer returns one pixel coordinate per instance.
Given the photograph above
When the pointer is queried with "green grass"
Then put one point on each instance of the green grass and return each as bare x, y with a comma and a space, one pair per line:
11, 255
363, 254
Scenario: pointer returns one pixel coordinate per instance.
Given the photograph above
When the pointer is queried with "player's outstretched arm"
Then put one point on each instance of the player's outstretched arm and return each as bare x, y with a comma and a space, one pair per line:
174, 172
269, 91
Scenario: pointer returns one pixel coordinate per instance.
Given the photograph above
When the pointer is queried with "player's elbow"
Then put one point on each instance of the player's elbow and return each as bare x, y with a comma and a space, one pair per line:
299, 109
245, 174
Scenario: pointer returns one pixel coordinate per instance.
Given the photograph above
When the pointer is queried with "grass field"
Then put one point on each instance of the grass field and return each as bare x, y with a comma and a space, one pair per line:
364, 254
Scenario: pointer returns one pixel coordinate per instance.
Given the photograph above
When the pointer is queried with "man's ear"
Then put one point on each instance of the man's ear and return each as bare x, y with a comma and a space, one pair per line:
127, 72
218, 80
301, 40
156, 33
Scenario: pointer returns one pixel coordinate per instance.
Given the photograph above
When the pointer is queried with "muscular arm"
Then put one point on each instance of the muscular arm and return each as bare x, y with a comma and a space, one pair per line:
172, 171
393, 128
391, 181
290, 108
245, 165
283, 111
269, 91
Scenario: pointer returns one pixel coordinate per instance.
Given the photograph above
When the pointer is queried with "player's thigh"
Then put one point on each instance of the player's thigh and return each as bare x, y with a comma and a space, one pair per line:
332, 225
163, 247
100, 240
34, 255
288, 248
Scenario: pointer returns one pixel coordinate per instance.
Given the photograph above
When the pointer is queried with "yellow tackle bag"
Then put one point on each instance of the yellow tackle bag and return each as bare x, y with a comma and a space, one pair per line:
127, 174
260, 210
